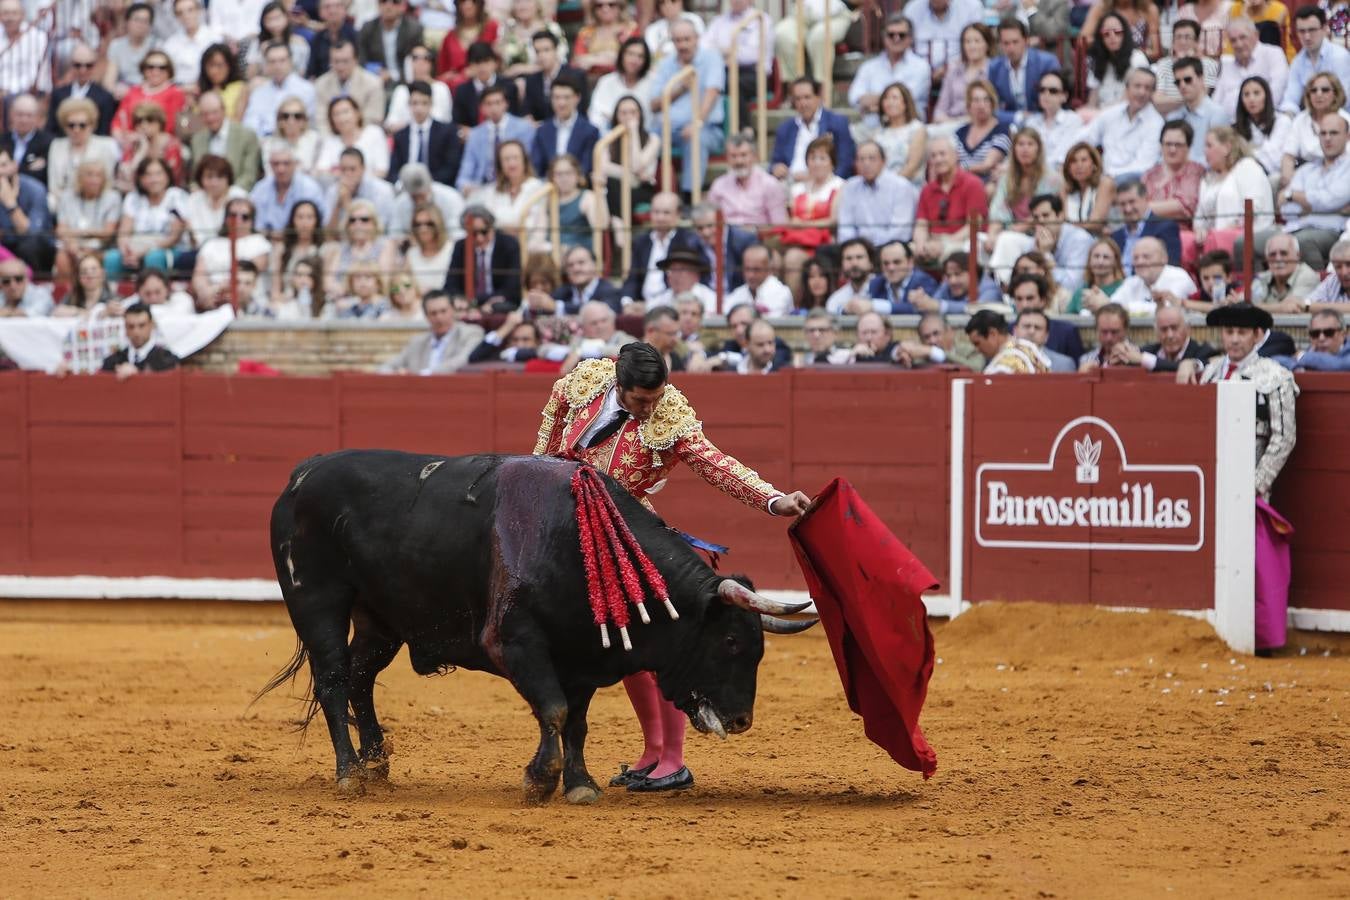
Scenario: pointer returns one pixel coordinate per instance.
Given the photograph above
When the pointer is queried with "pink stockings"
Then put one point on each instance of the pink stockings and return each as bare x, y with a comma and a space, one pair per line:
662, 726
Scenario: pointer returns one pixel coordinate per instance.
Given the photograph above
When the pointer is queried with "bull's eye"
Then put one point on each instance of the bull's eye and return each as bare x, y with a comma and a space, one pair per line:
733, 645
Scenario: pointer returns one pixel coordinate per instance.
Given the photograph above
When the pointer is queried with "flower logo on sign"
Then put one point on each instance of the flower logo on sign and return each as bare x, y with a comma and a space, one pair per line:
1088, 453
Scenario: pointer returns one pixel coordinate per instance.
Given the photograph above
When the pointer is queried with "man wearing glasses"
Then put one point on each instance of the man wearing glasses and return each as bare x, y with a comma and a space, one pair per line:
1196, 109
82, 84
18, 295
1328, 351
1318, 55
1312, 203
896, 64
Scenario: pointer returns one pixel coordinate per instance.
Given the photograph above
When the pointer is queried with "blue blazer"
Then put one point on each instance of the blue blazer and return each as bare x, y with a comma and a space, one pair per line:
1000, 75
580, 144
1164, 230
918, 279
477, 159
785, 140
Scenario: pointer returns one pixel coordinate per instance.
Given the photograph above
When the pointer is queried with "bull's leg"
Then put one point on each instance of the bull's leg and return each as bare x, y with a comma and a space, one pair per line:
526, 659
578, 786
372, 649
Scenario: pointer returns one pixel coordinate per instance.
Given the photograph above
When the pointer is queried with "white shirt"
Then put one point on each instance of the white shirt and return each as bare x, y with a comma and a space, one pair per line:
772, 299
219, 140
655, 281
879, 73
806, 133
609, 408
564, 134
937, 38
706, 295
137, 355
1137, 297
186, 52
835, 302
1058, 134
1129, 145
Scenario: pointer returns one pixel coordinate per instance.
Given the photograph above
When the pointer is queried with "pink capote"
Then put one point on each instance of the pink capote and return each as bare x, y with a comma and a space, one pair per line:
866, 585
1273, 532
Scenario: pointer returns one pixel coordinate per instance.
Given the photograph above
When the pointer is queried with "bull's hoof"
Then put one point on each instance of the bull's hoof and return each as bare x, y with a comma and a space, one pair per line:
351, 786
539, 791
583, 795
378, 769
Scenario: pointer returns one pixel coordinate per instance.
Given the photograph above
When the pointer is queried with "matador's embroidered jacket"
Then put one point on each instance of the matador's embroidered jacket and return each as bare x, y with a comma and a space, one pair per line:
641, 454
1276, 395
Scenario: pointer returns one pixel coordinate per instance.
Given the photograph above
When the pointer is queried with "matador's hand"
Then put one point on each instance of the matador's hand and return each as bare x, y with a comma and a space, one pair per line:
793, 504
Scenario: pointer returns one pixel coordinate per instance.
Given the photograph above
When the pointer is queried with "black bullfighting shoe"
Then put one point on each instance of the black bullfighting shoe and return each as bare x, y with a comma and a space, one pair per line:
675, 781
627, 776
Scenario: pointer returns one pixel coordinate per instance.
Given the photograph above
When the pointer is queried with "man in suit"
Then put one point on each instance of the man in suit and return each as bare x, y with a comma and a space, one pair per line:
346, 78
1034, 325
1172, 346
426, 141
482, 71
478, 167
645, 279
734, 243
568, 132
1016, 75
812, 120
538, 85
141, 352
446, 346
392, 30
219, 136
890, 290
1033, 292
25, 141
82, 62
496, 263
584, 283
1140, 222
938, 345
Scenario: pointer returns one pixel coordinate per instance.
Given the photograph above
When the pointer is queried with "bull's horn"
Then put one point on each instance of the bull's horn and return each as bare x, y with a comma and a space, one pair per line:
775, 625
739, 595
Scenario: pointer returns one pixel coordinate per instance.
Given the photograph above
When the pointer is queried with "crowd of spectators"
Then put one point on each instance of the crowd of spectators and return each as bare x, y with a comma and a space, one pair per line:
345, 159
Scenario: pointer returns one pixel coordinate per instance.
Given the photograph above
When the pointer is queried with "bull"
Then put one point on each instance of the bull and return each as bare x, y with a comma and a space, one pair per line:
474, 562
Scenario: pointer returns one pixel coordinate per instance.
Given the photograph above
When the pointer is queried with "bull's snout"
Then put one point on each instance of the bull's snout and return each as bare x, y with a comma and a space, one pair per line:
740, 723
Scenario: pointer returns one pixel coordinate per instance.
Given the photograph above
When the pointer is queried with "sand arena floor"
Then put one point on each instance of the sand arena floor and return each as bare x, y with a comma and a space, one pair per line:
1081, 754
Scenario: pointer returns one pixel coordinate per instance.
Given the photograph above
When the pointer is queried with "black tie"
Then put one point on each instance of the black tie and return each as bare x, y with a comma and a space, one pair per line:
608, 430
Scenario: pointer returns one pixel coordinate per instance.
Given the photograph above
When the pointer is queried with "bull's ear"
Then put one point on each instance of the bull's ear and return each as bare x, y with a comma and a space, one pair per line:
775, 625
737, 594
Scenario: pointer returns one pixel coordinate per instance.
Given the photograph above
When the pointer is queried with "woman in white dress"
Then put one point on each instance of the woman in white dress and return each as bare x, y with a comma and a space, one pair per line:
211, 271
630, 79
1264, 128
349, 130
901, 134
1234, 177
428, 256
153, 221
515, 184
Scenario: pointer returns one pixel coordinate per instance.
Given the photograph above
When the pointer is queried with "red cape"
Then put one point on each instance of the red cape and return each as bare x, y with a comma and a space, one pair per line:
866, 585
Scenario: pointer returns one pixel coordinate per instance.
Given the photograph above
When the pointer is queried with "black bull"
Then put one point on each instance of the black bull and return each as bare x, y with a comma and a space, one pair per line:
475, 562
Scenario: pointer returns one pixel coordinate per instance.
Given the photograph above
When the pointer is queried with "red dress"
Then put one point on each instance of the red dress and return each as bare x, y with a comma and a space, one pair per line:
809, 208
454, 56
171, 99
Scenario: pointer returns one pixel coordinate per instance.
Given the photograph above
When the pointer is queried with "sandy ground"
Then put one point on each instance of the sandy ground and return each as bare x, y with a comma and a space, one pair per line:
1081, 754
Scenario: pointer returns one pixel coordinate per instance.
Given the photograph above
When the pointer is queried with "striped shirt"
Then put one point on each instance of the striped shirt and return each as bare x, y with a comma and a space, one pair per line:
997, 139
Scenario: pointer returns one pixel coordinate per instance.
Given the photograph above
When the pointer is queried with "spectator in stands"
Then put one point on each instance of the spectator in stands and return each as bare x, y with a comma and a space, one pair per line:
890, 290
1324, 94
646, 280
354, 183
125, 52
718, 38
1251, 58
419, 189
1105, 274
690, 311
65, 155
1017, 74
1154, 282
1173, 185
661, 329
937, 28
1312, 205
515, 341
1067, 243
150, 140
821, 337
814, 208
441, 106
385, 41
344, 78
25, 141
187, 44
735, 348
1139, 221
336, 30
1034, 262
707, 93
584, 284
1128, 132
820, 276
746, 194
293, 132
515, 185
142, 353
152, 289
1259, 124
239, 22
1167, 97
857, 256
428, 255
644, 149
630, 79
900, 133
1328, 350
685, 267
733, 241
446, 346
1111, 56
220, 72
1032, 293
1058, 126
1113, 333
761, 356
969, 66
953, 295
876, 342
362, 241
1317, 56
478, 168
87, 216
481, 72
1003, 353
761, 289
1335, 288
1088, 191
1034, 325
281, 83
786, 41
1233, 178
876, 204
1196, 108
1287, 279
211, 272
276, 195
1026, 176
82, 86
232, 141
550, 56
812, 122
1172, 346
597, 43
18, 295
937, 344
206, 205
1215, 276
945, 203
154, 219
472, 24
599, 337
496, 263
89, 289
656, 36
301, 239
896, 64
405, 300
514, 43
348, 131
567, 131
361, 294
273, 25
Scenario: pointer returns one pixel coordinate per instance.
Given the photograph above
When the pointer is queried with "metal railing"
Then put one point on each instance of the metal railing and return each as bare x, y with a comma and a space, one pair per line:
600, 187
548, 192
754, 17
688, 73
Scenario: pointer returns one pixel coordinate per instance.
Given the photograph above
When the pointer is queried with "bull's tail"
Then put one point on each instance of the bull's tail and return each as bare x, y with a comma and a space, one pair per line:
289, 673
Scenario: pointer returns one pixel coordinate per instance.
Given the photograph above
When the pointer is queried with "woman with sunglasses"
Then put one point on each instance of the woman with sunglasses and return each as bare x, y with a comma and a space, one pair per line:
274, 24
472, 25
1141, 18
1323, 94
302, 239
150, 140
428, 256
295, 132
348, 129
362, 241
153, 224
1111, 56
220, 72
78, 117
597, 43
157, 87
1057, 125
422, 69
211, 270
515, 46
